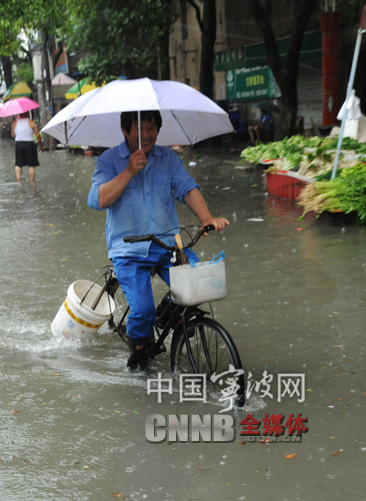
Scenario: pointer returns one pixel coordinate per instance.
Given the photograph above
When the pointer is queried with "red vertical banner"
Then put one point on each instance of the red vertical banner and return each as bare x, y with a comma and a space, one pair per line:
329, 23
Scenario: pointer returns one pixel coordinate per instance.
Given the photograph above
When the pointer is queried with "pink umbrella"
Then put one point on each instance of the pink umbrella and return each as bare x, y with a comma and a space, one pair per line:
18, 106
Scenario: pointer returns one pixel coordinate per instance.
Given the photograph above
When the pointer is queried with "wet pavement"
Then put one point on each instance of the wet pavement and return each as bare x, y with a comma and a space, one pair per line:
73, 421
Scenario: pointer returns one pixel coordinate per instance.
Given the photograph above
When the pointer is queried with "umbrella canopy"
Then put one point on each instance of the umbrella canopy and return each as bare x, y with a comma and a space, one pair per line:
19, 89
18, 106
267, 106
85, 85
94, 118
62, 79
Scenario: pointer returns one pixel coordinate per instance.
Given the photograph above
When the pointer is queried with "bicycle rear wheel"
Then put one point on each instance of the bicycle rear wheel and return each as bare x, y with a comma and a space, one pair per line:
213, 352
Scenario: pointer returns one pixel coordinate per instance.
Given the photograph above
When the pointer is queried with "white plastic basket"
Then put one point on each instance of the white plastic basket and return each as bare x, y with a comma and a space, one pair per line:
204, 283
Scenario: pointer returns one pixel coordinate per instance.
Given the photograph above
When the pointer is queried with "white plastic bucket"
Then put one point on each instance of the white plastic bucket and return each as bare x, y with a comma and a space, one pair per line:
204, 283
75, 317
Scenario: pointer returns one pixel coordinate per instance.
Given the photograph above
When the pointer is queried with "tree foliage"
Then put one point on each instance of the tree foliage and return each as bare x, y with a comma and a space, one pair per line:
27, 16
115, 34
10, 27
25, 72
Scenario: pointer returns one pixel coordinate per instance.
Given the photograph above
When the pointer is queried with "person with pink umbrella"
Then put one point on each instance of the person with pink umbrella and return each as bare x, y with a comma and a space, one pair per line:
22, 129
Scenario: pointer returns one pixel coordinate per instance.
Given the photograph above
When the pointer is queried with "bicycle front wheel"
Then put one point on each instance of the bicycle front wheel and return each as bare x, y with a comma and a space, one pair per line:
213, 352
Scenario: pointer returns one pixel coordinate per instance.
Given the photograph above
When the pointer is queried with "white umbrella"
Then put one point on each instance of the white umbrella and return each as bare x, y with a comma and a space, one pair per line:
94, 118
62, 79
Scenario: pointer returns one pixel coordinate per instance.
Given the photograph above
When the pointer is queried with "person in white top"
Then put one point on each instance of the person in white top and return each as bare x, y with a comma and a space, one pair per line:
22, 129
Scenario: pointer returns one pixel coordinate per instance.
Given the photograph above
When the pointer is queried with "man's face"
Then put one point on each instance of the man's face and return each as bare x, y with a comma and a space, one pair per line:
149, 134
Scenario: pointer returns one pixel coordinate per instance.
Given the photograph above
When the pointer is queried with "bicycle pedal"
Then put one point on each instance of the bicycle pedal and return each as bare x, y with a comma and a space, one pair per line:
120, 330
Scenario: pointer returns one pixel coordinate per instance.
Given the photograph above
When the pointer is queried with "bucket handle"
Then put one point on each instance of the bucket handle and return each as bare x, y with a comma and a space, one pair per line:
218, 258
99, 296
215, 260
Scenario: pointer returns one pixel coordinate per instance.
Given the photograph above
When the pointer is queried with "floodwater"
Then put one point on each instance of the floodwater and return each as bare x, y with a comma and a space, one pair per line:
72, 420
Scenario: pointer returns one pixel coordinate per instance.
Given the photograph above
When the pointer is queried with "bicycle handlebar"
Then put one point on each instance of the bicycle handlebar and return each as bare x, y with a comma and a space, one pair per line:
153, 238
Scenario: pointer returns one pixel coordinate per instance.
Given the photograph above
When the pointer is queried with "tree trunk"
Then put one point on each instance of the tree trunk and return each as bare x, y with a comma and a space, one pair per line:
164, 57
45, 105
164, 49
284, 73
208, 38
6, 61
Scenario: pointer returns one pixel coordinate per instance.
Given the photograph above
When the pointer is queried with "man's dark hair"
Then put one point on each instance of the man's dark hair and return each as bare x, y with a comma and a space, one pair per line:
128, 117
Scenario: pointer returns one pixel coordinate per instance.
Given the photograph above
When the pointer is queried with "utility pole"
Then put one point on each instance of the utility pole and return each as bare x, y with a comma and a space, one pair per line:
38, 77
47, 85
41, 73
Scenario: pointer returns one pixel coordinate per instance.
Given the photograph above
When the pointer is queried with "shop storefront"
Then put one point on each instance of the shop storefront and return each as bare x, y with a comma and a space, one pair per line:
248, 78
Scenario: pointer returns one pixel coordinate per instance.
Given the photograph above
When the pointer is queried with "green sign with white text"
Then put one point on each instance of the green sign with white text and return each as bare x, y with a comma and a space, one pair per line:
248, 84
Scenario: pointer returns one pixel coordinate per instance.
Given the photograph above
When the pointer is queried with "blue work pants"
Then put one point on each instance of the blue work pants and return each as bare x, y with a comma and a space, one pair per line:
133, 274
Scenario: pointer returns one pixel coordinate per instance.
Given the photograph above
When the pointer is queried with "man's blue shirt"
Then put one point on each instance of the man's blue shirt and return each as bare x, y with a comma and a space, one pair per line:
147, 205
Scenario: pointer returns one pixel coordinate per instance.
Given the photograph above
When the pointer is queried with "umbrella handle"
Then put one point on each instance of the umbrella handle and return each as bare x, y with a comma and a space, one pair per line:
139, 127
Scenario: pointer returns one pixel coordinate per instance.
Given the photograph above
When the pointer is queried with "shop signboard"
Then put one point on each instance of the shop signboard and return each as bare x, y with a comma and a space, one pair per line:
62, 63
248, 84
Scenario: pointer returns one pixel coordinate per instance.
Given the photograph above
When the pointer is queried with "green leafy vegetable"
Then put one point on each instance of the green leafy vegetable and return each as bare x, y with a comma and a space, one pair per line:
310, 156
346, 193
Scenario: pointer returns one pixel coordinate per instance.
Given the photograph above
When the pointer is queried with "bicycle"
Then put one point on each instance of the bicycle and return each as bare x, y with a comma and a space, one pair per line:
198, 342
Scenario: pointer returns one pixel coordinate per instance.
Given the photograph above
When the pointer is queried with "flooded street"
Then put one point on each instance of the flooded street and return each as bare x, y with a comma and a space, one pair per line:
72, 419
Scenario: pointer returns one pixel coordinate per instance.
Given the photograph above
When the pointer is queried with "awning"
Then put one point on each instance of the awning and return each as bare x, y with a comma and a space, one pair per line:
16, 90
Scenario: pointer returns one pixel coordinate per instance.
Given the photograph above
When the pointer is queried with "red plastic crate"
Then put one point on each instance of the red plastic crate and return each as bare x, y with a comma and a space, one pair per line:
284, 186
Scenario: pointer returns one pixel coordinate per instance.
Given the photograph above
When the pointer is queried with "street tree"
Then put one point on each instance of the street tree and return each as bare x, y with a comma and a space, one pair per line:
28, 17
119, 35
207, 24
10, 28
284, 71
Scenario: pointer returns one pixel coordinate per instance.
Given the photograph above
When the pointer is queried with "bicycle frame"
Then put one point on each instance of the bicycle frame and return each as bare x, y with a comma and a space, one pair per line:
178, 311
172, 323
179, 318
180, 315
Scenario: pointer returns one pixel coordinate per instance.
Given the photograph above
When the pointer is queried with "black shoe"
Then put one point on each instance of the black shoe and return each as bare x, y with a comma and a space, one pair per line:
139, 356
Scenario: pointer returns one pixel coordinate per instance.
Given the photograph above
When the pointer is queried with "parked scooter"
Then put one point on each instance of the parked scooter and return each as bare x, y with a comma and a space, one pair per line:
5, 131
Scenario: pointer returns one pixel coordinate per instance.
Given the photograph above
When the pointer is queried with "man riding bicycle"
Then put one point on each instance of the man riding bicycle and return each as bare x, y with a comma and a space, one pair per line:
138, 188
